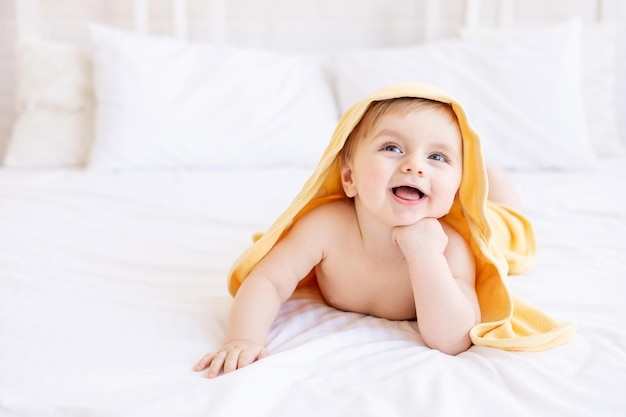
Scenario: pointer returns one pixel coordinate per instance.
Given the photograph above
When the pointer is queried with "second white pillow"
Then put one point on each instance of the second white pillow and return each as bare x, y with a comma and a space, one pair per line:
522, 92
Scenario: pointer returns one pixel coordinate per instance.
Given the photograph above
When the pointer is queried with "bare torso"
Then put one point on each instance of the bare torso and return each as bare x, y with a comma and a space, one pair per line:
353, 278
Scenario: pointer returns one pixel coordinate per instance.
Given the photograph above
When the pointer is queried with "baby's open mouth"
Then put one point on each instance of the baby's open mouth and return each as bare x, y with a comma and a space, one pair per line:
408, 193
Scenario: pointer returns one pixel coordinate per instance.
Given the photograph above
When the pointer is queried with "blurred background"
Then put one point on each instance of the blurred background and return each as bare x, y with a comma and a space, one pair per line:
289, 25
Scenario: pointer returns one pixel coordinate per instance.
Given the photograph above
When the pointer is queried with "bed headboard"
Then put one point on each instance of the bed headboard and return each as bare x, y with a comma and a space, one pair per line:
295, 25
317, 24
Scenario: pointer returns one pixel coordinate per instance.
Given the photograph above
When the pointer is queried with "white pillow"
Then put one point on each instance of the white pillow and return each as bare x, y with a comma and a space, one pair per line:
54, 106
598, 80
164, 103
522, 92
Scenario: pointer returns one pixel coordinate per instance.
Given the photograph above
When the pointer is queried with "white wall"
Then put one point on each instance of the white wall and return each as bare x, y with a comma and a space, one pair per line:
7, 70
621, 69
312, 25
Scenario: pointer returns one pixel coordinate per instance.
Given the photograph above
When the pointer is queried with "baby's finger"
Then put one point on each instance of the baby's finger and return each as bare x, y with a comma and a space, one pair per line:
263, 354
247, 356
216, 364
232, 360
204, 362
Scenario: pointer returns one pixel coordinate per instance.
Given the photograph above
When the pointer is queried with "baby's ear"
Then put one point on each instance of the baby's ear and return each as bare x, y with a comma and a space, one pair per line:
347, 181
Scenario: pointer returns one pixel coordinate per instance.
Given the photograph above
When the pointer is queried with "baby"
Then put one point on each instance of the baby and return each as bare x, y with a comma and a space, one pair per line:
383, 246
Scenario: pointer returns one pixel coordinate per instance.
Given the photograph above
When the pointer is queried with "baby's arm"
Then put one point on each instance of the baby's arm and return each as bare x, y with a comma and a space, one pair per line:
260, 296
442, 276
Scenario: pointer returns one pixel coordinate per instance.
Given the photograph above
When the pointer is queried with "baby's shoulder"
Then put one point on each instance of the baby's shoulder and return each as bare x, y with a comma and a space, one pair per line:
450, 231
325, 224
335, 213
458, 246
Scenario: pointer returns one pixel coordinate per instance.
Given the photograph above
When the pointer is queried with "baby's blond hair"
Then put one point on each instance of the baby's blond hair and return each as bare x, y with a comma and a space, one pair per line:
378, 109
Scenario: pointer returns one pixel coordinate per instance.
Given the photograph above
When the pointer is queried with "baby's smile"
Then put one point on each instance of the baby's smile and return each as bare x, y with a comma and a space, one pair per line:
406, 192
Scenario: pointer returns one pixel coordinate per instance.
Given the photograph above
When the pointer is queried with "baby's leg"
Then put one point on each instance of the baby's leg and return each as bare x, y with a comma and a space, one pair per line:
501, 189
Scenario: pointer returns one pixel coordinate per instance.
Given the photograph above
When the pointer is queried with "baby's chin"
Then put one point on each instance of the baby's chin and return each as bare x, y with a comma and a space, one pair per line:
414, 220
438, 213
432, 213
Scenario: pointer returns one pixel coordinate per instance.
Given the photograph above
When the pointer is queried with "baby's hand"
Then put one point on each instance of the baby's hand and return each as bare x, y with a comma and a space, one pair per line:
232, 356
425, 235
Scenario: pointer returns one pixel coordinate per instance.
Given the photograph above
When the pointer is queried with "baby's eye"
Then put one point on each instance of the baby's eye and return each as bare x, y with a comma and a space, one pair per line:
439, 157
390, 147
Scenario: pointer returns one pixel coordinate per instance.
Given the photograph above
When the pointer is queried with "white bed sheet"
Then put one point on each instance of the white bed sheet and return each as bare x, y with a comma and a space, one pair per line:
113, 286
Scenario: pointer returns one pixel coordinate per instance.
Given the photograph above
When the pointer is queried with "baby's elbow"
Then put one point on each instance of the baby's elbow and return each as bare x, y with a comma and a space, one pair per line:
449, 338
454, 350
450, 346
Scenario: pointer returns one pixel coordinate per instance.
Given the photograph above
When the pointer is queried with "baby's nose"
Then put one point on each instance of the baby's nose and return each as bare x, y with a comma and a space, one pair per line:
410, 167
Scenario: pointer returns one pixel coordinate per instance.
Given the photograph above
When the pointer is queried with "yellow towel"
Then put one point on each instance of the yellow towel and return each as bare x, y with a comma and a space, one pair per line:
502, 240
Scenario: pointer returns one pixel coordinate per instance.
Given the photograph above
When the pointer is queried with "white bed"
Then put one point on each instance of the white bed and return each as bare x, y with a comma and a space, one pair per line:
113, 278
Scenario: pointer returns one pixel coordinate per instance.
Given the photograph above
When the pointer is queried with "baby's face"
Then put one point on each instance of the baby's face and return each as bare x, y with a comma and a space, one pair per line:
408, 167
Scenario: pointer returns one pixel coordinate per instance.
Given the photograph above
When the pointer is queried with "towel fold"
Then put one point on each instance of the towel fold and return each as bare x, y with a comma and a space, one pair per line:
501, 239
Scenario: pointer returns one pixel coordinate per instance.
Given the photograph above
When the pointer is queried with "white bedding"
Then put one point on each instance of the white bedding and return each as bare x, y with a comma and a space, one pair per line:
113, 285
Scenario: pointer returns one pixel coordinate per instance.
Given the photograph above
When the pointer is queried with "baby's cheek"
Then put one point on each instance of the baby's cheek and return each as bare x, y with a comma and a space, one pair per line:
448, 203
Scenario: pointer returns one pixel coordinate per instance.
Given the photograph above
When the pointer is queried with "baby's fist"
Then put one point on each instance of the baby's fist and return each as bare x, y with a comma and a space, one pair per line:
425, 235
